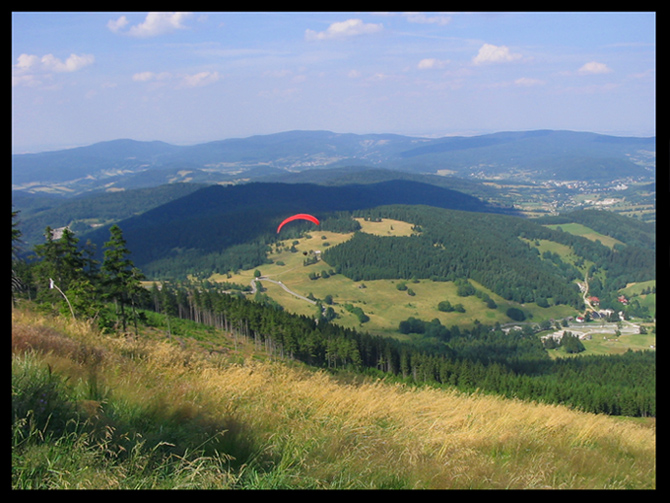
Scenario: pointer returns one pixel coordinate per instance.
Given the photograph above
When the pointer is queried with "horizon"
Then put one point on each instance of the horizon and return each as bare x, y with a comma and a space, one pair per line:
437, 137
80, 78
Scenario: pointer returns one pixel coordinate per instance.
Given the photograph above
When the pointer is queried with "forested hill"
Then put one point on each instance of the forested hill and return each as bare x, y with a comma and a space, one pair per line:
488, 249
180, 233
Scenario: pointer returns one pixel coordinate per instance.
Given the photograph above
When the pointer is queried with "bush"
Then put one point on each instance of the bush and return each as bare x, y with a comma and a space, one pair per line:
571, 343
445, 306
412, 325
465, 289
516, 314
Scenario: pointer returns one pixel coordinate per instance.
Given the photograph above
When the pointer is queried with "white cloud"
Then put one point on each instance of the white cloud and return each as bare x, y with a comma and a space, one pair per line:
343, 29
156, 23
432, 63
118, 25
489, 53
594, 68
182, 81
27, 61
199, 79
72, 64
150, 76
30, 66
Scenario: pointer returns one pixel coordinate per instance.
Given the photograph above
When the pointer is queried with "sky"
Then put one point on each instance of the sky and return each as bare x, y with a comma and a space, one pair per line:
192, 77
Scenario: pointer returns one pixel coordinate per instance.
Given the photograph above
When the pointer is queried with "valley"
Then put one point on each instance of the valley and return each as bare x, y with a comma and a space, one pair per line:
222, 335
633, 198
537, 157
441, 280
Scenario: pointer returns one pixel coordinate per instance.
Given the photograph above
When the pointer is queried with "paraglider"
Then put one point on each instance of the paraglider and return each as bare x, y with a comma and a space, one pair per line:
299, 216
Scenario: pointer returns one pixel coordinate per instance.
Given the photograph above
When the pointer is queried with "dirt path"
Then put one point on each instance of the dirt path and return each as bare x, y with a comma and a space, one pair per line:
585, 295
265, 278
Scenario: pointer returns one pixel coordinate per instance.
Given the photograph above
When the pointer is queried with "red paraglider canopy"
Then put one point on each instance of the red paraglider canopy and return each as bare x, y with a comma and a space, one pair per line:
299, 216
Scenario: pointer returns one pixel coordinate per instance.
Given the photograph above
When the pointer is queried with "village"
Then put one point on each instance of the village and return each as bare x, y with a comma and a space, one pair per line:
597, 322
586, 331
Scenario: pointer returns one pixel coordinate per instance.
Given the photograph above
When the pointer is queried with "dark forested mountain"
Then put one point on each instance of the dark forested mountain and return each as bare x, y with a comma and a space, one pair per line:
83, 212
94, 208
537, 155
216, 217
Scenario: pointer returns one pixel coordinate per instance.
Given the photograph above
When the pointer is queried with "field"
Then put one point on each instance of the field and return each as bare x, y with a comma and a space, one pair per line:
639, 292
381, 300
604, 340
582, 230
148, 413
607, 344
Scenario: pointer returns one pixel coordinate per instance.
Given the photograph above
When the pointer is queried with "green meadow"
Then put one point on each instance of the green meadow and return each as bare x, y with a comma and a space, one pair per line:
381, 300
586, 232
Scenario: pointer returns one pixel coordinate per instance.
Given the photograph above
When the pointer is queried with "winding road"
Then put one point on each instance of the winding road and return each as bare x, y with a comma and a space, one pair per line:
265, 278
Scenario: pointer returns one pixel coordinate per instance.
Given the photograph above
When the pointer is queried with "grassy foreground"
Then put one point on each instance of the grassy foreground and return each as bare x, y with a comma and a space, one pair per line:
109, 412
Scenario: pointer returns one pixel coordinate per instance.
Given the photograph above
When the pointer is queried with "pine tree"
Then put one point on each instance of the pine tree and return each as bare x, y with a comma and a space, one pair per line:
66, 269
121, 278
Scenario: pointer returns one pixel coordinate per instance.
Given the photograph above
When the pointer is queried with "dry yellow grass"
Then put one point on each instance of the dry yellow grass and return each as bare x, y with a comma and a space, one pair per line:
386, 227
442, 439
374, 434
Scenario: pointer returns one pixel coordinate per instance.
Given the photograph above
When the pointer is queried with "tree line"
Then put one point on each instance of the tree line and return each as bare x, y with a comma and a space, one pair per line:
512, 363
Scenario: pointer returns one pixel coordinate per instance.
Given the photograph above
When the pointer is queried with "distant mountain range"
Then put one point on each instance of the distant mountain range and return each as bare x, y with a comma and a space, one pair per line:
529, 156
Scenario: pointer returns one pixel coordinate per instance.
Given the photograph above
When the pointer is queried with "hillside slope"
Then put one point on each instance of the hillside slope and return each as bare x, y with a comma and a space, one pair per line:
629, 231
488, 249
149, 413
90, 210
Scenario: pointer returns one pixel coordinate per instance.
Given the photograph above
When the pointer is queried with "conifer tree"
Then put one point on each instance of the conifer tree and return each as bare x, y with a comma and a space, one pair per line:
65, 265
121, 278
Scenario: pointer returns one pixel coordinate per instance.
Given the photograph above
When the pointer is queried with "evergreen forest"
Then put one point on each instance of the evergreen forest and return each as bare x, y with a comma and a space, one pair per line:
450, 245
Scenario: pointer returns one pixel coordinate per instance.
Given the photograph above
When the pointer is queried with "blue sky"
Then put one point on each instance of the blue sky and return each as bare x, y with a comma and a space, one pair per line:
185, 78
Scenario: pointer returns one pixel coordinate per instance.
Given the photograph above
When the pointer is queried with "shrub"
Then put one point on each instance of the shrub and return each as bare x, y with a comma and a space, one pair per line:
516, 314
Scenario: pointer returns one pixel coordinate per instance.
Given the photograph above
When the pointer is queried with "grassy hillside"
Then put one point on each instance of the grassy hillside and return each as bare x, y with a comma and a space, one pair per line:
294, 276
382, 300
608, 227
207, 411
